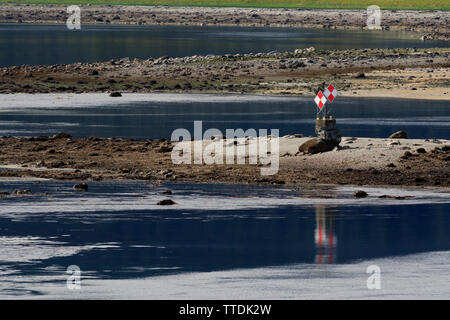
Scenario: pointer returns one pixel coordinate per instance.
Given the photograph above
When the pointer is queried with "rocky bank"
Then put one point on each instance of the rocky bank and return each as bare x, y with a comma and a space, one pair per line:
358, 161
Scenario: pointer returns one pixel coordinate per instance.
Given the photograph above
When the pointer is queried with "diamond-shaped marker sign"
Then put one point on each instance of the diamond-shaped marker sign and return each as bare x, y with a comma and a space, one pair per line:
320, 100
330, 93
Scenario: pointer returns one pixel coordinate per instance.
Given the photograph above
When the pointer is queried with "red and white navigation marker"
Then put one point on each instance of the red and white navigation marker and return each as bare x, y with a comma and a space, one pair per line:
330, 93
320, 100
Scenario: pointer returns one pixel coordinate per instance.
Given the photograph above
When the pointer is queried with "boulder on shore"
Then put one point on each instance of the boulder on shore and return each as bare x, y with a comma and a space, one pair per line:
398, 135
360, 194
314, 146
61, 135
81, 187
164, 149
22, 192
421, 150
166, 202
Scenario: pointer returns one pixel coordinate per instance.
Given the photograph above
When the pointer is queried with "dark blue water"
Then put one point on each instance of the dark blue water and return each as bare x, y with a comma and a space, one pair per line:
155, 241
159, 118
55, 44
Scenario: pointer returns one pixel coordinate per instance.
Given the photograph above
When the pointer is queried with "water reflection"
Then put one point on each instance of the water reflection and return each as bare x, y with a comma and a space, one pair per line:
325, 237
109, 239
54, 44
158, 118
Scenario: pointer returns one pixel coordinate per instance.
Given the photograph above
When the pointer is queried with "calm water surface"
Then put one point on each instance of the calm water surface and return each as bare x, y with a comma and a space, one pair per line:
115, 231
157, 116
54, 44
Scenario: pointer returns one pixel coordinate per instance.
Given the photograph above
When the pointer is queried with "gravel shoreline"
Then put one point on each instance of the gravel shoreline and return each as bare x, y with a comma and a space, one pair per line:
415, 73
427, 24
359, 161
401, 73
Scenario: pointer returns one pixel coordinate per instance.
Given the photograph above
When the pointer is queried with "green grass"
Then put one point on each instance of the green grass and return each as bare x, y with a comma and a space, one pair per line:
314, 4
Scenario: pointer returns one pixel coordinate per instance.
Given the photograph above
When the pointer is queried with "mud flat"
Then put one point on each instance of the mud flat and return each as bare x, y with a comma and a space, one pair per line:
401, 73
358, 161
427, 24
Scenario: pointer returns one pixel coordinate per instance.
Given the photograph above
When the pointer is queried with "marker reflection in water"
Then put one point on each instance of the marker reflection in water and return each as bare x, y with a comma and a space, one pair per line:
325, 238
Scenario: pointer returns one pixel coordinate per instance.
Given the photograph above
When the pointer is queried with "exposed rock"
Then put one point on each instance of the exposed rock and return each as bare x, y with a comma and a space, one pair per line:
21, 192
39, 148
385, 196
81, 187
164, 172
426, 37
163, 149
61, 135
314, 146
40, 138
391, 165
166, 202
40, 164
406, 155
360, 194
398, 135
115, 94
393, 143
421, 150
168, 192
56, 164
94, 138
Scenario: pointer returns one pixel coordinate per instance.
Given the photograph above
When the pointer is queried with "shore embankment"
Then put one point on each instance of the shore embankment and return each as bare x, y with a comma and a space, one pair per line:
399, 73
357, 161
